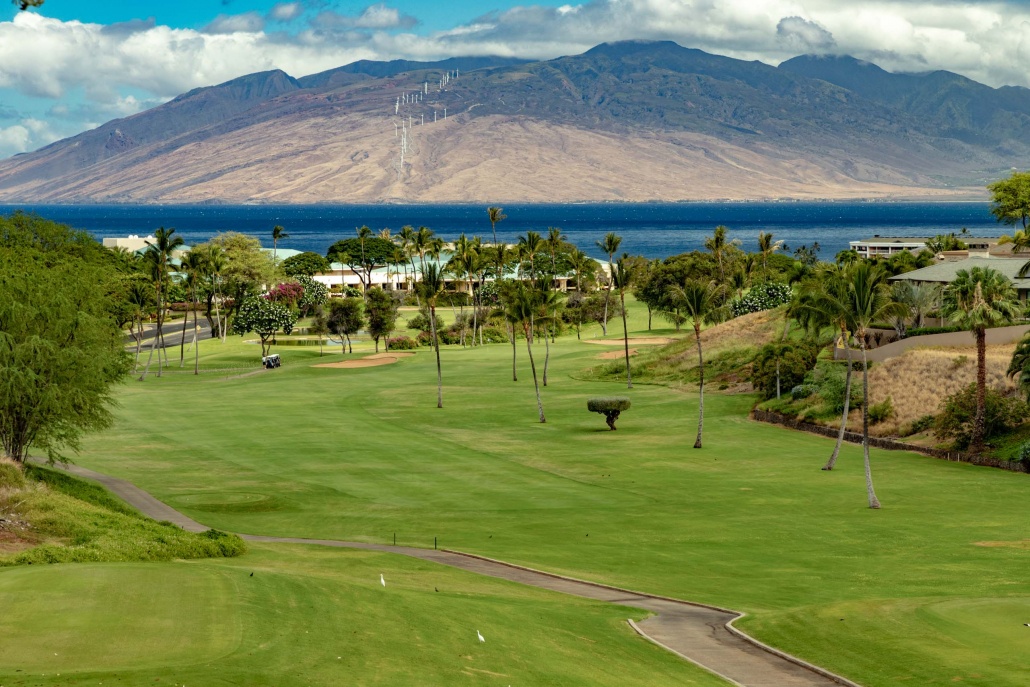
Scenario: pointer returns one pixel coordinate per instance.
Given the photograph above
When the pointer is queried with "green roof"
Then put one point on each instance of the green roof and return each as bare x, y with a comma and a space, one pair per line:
945, 272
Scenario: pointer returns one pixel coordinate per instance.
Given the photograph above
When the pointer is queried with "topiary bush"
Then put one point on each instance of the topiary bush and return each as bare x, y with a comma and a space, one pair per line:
609, 406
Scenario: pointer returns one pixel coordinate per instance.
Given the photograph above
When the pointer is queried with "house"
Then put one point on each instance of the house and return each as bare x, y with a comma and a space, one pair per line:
886, 246
945, 272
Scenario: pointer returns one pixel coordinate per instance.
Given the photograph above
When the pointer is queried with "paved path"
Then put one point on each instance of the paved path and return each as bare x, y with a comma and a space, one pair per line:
699, 634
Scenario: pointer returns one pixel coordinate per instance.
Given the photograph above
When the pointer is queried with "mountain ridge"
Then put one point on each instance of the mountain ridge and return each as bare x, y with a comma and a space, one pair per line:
850, 129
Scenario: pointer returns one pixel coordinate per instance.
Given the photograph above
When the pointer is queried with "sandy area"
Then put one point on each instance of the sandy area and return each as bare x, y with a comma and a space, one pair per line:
615, 355
391, 354
640, 341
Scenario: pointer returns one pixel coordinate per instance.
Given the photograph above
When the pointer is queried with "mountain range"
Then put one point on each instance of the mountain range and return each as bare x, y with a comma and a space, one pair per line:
629, 121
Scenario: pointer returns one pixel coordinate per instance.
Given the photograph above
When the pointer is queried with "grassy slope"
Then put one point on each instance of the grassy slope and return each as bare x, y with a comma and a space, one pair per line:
748, 522
312, 616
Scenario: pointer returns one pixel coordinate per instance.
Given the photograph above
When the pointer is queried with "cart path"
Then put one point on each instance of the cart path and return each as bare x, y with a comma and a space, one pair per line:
700, 634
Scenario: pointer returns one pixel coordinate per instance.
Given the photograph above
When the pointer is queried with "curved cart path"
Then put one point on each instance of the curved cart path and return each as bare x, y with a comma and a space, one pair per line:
700, 634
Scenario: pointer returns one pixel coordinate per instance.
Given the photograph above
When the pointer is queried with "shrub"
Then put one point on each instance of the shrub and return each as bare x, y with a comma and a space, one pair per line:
802, 391
761, 297
791, 361
494, 335
923, 331
11, 476
922, 424
831, 379
878, 412
1023, 454
609, 406
402, 343
421, 323
955, 420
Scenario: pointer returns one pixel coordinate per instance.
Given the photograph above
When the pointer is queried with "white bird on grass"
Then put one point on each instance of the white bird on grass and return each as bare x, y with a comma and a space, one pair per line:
382, 580
480, 635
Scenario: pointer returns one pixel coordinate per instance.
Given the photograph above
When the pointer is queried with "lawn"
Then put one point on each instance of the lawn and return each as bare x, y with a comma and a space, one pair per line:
748, 522
311, 616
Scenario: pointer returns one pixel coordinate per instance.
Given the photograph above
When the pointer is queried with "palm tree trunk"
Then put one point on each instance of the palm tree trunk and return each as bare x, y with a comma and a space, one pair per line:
514, 374
182, 343
532, 366
436, 345
980, 419
139, 342
701, 387
625, 340
847, 403
196, 343
547, 356
873, 501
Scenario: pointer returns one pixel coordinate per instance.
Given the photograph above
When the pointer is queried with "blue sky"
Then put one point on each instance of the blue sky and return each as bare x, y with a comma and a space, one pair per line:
72, 65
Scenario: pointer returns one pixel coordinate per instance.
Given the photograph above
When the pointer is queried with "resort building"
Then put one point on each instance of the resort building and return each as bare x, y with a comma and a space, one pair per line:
886, 246
131, 243
945, 272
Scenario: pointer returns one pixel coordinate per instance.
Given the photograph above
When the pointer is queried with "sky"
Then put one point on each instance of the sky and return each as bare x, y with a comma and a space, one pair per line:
72, 65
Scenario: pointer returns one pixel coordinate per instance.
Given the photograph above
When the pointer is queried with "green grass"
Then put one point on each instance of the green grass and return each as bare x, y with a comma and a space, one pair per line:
313, 616
748, 522
70, 520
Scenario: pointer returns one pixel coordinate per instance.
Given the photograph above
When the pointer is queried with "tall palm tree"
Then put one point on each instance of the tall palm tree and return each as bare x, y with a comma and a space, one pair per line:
609, 245
531, 245
520, 309
549, 302
193, 266
364, 232
717, 244
406, 240
215, 262
1020, 240
159, 255
278, 234
1019, 367
868, 299
978, 299
766, 246
580, 262
431, 286
703, 304
140, 297
496, 215
622, 277
829, 300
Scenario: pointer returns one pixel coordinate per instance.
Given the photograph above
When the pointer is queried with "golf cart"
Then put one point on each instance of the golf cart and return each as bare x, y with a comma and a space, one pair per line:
270, 361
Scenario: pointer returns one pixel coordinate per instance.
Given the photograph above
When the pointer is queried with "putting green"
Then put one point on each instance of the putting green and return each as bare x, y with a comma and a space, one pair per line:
285, 616
115, 616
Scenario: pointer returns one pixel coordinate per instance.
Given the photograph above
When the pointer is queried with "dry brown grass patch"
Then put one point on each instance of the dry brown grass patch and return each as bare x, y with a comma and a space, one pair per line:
615, 355
754, 329
363, 362
637, 341
920, 379
1021, 544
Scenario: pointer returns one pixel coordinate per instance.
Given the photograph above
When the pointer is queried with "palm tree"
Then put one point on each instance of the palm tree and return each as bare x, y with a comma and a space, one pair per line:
530, 245
703, 303
431, 286
140, 296
609, 245
159, 254
1020, 240
868, 300
496, 215
766, 246
978, 299
580, 262
278, 234
520, 310
215, 263
829, 301
549, 301
406, 239
363, 233
192, 267
717, 244
621, 278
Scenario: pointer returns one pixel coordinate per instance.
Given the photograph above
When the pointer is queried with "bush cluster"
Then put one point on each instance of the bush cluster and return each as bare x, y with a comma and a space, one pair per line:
792, 361
402, 343
761, 297
955, 420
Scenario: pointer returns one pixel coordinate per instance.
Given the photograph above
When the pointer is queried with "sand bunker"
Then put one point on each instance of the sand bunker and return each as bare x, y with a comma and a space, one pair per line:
391, 354
363, 362
640, 341
615, 355
1023, 544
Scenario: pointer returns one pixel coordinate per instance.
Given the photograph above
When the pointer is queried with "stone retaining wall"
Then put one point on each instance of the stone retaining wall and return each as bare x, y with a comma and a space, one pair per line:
889, 444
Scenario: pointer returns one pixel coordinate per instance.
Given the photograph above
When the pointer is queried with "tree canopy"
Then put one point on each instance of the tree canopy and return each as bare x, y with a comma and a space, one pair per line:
1010, 199
60, 348
306, 264
362, 255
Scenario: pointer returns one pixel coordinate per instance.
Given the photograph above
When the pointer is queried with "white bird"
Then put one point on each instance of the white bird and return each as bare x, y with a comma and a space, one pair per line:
382, 580
480, 635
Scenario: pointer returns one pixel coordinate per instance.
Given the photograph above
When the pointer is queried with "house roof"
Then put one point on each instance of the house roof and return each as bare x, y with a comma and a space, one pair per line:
945, 272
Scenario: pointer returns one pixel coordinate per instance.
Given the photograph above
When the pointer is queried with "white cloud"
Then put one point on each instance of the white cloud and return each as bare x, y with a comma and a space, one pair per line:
286, 11
26, 135
378, 17
248, 22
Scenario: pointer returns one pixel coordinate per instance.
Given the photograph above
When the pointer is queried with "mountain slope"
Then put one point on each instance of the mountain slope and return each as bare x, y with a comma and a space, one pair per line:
625, 121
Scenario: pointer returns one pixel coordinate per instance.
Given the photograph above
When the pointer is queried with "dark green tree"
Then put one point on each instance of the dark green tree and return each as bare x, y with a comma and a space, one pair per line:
363, 255
265, 318
346, 319
381, 309
306, 264
1010, 199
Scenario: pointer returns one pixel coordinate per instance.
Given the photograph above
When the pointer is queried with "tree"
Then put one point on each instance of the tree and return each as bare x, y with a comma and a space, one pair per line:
867, 300
959, 413
248, 270
381, 308
278, 234
60, 349
622, 277
319, 326
767, 246
584, 267
703, 304
945, 242
609, 245
192, 267
345, 320
159, 255
978, 299
520, 309
717, 244
430, 288
496, 215
1010, 199
265, 318
363, 255
1019, 367
782, 366
306, 264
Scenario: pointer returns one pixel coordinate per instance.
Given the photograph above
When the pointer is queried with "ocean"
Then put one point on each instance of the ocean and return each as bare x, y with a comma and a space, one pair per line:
651, 230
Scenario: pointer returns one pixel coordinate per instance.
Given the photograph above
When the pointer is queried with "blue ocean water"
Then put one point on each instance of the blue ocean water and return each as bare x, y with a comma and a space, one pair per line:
652, 230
